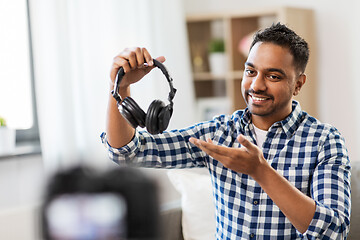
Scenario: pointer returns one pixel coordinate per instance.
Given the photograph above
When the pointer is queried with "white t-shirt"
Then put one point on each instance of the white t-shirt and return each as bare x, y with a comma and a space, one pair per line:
260, 136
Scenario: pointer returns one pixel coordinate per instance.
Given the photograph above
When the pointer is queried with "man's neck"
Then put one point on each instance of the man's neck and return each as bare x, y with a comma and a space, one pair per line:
264, 123
261, 123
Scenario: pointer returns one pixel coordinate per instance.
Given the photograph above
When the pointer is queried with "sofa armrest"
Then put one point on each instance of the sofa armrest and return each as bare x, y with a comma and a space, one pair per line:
171, 221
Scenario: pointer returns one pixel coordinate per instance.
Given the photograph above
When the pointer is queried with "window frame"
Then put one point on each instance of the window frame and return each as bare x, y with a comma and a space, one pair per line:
30, 136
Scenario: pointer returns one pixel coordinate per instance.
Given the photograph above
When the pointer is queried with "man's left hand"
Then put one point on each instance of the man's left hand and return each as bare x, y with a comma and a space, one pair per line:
247, 159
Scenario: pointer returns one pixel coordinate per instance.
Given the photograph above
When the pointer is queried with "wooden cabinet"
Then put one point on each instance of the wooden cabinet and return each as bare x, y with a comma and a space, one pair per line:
236, 29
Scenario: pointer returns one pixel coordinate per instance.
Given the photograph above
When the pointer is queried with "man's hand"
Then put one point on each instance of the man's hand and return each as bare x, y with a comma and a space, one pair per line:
137, 62
247, 160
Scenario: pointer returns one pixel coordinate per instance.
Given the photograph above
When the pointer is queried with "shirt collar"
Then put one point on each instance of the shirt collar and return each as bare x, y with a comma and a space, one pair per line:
289, 124
292, 122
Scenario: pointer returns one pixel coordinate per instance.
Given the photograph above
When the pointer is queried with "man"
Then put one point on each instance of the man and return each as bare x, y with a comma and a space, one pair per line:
276, 171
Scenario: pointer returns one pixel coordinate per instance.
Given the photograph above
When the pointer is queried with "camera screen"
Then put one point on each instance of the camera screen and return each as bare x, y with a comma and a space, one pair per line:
87, 216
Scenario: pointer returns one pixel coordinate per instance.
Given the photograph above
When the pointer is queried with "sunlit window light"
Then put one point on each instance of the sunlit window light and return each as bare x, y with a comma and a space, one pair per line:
15, 75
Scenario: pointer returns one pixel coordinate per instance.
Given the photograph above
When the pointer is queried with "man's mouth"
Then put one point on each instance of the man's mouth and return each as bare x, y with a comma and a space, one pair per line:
258, 99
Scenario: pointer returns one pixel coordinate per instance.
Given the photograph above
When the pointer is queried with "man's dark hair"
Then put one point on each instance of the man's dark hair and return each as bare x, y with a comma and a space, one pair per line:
283, 36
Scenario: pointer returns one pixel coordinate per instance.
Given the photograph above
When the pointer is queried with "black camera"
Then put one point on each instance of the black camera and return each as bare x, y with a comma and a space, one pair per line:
83, 204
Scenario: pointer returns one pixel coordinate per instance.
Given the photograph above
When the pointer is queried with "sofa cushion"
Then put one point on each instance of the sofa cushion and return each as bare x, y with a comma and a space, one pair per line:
198, 211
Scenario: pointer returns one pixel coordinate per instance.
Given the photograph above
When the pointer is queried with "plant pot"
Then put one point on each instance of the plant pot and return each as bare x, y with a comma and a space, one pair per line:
218, 63
7, 140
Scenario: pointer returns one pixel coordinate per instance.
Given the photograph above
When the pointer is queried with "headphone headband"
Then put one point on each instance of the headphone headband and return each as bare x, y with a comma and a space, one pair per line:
121, 73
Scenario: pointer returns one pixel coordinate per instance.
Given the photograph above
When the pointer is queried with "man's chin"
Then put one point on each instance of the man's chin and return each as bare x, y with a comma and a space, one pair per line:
259, 111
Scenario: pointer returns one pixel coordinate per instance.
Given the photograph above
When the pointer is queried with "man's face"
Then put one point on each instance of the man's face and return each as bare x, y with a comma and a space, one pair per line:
269, 82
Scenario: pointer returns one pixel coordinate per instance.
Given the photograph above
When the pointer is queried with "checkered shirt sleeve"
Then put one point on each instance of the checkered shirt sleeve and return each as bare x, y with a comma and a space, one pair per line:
167, 150
330, 188
310, 155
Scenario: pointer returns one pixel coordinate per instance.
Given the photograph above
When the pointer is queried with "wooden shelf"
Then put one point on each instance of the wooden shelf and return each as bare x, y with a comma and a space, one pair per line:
206, 76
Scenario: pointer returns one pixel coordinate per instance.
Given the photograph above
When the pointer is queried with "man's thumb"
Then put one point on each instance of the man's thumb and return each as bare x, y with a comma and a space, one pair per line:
244, 142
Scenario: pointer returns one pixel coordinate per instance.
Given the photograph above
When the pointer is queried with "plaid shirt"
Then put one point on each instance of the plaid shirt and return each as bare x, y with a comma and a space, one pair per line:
311, 155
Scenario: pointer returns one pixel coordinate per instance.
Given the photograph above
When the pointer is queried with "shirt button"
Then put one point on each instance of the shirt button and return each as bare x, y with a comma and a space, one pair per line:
256, 202
252, 235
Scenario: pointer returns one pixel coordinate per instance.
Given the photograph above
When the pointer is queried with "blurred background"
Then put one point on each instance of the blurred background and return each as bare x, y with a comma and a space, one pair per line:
55, 59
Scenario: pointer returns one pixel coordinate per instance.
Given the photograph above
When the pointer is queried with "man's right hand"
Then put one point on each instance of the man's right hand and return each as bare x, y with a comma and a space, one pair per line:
137, 62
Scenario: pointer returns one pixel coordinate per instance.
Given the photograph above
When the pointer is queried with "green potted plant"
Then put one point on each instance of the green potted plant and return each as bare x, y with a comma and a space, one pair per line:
217, 57
7, 138
217, 45
2, 122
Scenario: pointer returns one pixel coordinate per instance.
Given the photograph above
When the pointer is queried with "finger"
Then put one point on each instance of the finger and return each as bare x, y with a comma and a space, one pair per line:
246, 143
209, 146
161, 59
148, 57
148, 68
215, 154
194, 141
213, 148
139, 57
132, 59
119, 62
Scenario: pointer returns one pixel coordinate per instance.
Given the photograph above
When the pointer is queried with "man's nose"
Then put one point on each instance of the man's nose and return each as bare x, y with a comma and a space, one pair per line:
258, 83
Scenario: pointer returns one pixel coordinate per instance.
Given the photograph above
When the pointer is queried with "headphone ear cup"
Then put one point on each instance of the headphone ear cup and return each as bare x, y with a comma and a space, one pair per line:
164, 117
152, 116
132, 112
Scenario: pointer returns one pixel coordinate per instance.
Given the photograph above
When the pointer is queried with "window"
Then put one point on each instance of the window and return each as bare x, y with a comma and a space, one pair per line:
17, 98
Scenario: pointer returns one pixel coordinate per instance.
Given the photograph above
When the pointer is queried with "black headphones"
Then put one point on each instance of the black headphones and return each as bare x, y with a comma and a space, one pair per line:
158, 115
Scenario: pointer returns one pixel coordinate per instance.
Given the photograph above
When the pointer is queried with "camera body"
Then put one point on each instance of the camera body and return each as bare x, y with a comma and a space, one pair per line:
81, 203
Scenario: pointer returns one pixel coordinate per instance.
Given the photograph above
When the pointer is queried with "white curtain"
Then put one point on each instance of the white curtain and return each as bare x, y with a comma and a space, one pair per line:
74, 43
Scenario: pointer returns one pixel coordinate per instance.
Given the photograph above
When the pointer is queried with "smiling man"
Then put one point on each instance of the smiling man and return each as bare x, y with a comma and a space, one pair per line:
277, 172
269, 83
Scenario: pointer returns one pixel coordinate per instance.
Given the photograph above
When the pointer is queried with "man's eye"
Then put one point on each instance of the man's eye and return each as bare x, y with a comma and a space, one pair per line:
274, 77
249, 72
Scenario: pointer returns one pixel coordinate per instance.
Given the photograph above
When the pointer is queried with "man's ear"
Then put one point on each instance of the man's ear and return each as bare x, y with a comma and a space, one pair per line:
299, 83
